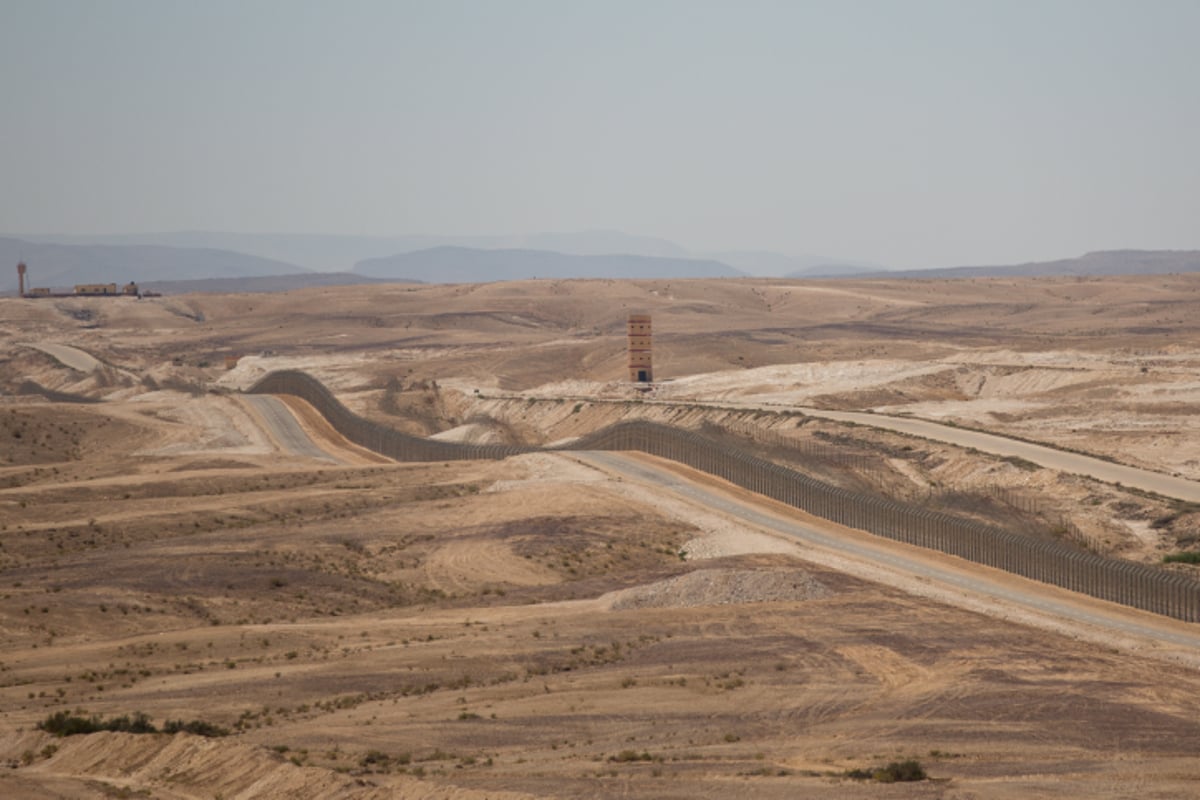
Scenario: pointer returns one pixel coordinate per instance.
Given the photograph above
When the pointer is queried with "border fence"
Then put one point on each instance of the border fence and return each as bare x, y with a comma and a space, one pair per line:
870, 467
1048, 561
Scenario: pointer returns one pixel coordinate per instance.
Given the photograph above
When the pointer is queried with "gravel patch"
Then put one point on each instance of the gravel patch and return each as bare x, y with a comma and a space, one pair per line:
715, 587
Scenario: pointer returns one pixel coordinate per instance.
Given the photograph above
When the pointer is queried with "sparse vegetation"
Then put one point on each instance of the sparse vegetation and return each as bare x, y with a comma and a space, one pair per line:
66, 723
349, 583
195, 727
894, 772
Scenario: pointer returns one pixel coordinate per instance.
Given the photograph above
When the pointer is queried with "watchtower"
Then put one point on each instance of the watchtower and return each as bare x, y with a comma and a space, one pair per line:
21, 278
640, 365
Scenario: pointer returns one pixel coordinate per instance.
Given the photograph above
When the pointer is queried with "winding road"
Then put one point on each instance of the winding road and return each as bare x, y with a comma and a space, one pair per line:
912, 569
1042, 455
1064, 461
988, 590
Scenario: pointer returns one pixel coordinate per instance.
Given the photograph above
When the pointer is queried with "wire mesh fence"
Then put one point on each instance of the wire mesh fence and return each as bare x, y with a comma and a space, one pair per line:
1048, 561
872, 469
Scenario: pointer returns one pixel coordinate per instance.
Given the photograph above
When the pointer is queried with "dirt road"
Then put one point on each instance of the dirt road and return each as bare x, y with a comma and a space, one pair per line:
924, 572
66, 355
283, 428
1042, 455
1166, 485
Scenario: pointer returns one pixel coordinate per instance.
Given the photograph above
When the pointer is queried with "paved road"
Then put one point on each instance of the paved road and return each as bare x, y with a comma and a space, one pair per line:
1098, 468
284, 429
1167, 485
970, 579
1042, 455
68, 356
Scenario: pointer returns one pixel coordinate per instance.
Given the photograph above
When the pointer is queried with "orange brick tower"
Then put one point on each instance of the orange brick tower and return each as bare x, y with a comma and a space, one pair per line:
640, 369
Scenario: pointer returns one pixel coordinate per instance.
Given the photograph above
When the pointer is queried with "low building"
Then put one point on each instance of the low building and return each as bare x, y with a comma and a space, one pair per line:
95, 288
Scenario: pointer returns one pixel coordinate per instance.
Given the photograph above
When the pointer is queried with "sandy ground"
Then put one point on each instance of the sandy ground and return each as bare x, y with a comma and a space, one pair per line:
529, 628
779, 671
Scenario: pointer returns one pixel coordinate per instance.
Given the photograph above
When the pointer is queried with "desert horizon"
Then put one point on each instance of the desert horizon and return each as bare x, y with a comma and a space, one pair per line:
665, 401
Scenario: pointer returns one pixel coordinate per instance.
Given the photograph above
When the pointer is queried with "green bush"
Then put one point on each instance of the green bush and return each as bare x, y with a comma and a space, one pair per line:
895, 772
139, 723
901, 772
196, 727
374, 757
1185, 557
64, 723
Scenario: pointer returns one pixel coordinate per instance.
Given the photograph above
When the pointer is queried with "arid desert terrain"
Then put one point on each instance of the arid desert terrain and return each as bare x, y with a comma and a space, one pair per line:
571, 625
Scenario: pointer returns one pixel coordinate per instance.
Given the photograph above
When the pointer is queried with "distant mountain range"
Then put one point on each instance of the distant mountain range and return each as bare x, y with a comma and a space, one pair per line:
778, 265
63, 265
337, 253
266, 283
220, 261
245, 262
470, 265
1104, 262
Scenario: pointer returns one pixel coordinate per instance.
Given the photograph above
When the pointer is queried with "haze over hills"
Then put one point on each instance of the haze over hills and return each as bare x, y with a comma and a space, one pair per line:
1105, 262
263, 283
334, 253
56, 265
318, 252
469, 265
765, 263
191, 262
223, 262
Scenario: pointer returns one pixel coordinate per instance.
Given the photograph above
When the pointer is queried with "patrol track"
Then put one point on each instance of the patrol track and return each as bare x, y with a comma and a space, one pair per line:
1052, 562
285, 430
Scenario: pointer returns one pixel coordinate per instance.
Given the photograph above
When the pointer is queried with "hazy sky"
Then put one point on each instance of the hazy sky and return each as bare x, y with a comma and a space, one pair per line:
907, 133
